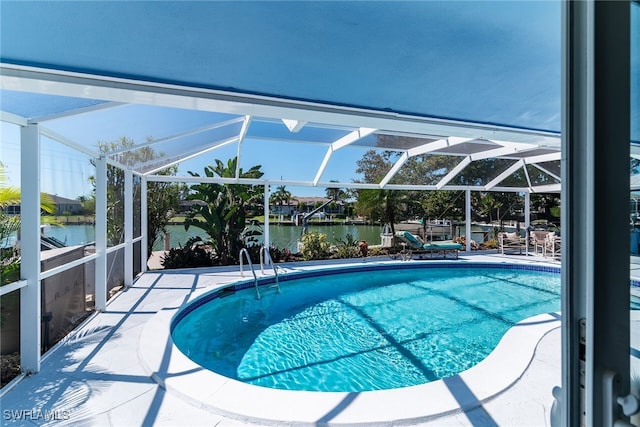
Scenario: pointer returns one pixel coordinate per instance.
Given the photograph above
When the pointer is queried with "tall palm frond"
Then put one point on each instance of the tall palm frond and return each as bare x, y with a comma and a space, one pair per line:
10, 195
46, 203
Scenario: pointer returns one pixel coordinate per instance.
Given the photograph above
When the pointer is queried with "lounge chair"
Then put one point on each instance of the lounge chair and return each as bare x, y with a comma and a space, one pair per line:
512, 242
418, 247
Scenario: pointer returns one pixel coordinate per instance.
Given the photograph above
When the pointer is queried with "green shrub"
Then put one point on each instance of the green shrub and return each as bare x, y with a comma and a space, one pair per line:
314, 246
491, 244
9, 272
9, 265
282, 255
377, 251
193, 254
347, 247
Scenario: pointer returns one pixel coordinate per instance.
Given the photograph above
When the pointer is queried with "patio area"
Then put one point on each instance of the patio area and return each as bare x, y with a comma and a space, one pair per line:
97, 375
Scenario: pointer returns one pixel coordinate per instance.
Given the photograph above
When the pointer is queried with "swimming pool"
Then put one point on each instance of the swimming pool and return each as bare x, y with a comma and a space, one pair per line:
358, 329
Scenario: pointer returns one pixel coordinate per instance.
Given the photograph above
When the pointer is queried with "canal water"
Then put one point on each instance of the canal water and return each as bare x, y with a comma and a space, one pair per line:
281, 236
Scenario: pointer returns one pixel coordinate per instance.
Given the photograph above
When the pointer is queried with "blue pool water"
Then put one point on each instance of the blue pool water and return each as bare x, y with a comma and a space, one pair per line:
368, 330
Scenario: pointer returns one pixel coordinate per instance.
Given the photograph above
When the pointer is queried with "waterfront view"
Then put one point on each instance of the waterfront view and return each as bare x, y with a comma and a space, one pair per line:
281, 236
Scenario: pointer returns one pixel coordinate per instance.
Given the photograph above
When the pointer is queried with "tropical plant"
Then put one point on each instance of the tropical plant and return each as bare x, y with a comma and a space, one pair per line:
251, 232
222, 208
442, 204
162, 197
88, 204
336, 193
193, 254
8, 196
491, 244
9, 224
385, 206
282, 255
314, 246
347, 247
489, 206
281, 196
545, 205
163, 202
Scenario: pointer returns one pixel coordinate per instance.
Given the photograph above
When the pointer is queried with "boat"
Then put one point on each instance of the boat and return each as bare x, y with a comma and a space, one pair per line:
439, 229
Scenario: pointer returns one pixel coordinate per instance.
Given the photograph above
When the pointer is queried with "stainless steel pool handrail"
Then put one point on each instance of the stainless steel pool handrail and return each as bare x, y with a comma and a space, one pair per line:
266, 259
255, 278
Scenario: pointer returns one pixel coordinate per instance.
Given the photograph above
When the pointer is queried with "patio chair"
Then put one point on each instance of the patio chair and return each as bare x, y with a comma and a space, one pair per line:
553, 245
537, 240
512, 242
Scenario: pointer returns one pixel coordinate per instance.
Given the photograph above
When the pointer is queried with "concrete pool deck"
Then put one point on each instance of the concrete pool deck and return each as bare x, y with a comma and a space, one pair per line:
100, 374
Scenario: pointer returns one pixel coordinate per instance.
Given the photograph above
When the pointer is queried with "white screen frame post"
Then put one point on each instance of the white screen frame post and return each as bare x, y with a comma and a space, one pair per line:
595, 197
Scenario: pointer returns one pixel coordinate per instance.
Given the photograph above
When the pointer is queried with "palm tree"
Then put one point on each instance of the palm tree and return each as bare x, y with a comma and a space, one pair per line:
381, 205
223, 211
489, 205
9, 224
281, 196
336, 193
11, 196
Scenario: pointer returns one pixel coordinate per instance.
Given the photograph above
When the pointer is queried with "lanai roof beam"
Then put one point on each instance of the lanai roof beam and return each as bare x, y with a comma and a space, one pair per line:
510, 170
422, 149
503, 151
75, 112
350, 138
183, 157
547, 171
242, 135
68, 142
176, 136
15, 119
453, 172
551, 157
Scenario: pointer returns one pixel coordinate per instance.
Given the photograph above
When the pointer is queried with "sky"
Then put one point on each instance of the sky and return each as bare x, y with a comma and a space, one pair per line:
65, 171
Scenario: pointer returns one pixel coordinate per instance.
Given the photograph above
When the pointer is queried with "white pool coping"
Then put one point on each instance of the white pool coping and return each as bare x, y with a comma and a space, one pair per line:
202, 388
